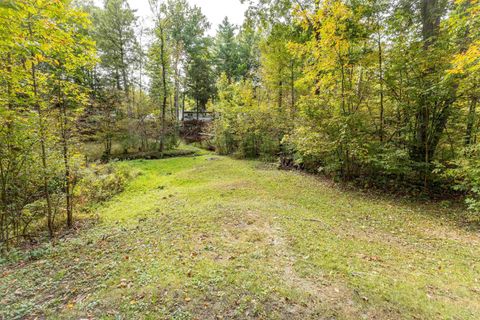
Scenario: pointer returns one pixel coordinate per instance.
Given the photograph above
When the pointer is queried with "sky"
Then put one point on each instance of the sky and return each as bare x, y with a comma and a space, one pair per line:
215, 10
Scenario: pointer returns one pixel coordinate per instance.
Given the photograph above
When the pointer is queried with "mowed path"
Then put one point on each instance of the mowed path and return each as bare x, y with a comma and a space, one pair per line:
210, 237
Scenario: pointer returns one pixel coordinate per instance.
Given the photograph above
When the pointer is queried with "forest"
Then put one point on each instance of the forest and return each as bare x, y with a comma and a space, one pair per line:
380, 92
375, 95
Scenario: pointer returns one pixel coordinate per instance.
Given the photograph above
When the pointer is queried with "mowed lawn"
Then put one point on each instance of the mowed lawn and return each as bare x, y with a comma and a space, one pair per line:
210, 237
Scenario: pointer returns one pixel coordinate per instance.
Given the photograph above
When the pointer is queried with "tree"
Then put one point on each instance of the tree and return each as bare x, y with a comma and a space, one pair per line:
70, 59
200, 80
433, 106
160, 65
47, 51
226, 51
116, 41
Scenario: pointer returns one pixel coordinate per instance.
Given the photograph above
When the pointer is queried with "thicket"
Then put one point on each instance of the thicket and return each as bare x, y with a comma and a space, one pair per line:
81, 84
381, 92
44, 52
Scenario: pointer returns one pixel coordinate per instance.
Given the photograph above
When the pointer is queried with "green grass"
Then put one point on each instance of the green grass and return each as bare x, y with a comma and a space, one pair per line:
210, 237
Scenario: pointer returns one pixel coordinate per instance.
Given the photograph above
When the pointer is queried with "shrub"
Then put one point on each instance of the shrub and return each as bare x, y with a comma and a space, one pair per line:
99, 183
465, 173
246, 127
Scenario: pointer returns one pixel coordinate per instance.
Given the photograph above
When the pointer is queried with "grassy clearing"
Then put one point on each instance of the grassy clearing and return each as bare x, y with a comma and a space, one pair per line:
209, 237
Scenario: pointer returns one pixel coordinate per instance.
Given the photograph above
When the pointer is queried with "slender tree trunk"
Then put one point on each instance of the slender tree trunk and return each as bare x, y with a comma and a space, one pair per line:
472, 115
197, 107
66, 163
117, 80
43, 137
4, 212
431, 14
280, 96
292, 85
183, 106
380, 71
280, 89
346, 110
108, 134
177, 87
342, 70
164, 83
124, 67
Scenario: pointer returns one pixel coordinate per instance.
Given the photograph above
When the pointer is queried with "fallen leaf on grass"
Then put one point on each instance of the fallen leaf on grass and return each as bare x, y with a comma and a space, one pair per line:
124, 283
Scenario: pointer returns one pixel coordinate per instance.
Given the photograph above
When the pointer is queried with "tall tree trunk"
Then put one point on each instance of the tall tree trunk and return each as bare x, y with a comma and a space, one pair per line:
124, 67
43, 138
43, 155
431, 13
423, 150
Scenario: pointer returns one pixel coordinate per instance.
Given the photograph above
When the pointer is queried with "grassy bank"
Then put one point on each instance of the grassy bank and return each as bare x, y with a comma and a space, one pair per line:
209, 237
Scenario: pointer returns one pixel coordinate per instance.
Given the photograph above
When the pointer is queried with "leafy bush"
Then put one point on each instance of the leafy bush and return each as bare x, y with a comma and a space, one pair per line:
99, 183
465, 173
246, 127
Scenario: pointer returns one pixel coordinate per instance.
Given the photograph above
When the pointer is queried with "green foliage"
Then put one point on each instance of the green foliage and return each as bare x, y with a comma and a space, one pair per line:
44, 53
245, 126
375, 91
200, 80
365, 90
234, 51
226, 51
99, 183
465, 176
116, 41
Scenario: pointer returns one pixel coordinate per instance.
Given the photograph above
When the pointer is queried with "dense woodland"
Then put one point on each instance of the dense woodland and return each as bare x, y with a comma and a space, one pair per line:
384, 93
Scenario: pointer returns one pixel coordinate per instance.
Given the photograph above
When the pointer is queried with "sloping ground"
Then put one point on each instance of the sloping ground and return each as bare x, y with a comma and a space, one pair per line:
216, 238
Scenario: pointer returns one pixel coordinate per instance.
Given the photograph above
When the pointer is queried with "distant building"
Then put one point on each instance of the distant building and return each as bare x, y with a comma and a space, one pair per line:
196, 116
